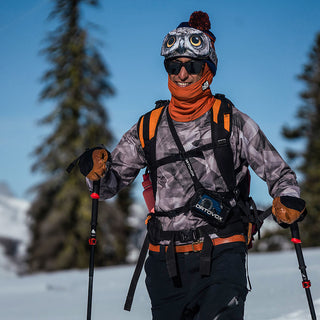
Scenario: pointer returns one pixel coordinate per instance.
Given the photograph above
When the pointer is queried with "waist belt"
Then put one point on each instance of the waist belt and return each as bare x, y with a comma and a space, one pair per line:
197, 246
205, 258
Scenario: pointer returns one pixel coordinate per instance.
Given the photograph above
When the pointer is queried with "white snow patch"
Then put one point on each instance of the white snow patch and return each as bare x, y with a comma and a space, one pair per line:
277, 292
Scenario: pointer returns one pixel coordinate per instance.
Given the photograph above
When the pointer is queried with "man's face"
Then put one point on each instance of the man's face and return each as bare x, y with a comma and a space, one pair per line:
183, 78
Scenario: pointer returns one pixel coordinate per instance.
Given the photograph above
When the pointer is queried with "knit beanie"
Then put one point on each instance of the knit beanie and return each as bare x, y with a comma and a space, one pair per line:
192, 39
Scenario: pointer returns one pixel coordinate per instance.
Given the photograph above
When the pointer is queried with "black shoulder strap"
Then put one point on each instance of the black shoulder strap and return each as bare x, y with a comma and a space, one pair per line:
221, 132
136, 274
147, 130
161, 103
148, 123
147, 127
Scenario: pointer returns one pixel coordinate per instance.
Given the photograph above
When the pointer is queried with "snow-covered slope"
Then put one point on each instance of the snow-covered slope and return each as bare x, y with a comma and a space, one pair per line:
277, 292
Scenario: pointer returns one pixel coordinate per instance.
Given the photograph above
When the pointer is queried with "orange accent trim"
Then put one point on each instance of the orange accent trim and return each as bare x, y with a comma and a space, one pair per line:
154, 117
249, 233
141, 132
226, 121
147, 219
197, 246
215, 109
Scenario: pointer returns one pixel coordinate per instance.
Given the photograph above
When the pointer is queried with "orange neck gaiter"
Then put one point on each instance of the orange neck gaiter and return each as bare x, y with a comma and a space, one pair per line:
191, 102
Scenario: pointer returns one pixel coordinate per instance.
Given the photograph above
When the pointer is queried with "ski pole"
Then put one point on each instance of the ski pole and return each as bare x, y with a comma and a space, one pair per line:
306, 283
92, 242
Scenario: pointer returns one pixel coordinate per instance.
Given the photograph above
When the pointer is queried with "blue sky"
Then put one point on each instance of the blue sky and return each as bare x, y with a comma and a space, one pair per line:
261, 48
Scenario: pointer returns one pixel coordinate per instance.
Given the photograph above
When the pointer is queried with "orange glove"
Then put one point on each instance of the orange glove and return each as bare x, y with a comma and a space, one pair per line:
94, 163
288, 209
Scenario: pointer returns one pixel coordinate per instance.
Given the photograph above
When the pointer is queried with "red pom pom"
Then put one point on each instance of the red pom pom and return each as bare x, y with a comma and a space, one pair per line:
200, 20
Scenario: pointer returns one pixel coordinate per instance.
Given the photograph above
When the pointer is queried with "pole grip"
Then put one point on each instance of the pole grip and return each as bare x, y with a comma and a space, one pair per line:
295, 231
96, 186
95, 195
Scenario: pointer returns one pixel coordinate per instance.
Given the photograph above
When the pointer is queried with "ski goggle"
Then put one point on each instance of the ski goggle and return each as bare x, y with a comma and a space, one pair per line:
192, 66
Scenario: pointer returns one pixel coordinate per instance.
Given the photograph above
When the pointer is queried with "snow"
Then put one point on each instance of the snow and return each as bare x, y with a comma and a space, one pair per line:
277, 292
275, 277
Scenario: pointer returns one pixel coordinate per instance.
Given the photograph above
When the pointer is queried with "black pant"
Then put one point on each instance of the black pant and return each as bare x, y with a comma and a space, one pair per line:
220, 296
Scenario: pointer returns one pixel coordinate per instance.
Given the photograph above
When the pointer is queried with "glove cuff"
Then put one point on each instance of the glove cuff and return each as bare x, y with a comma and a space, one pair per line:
287, 210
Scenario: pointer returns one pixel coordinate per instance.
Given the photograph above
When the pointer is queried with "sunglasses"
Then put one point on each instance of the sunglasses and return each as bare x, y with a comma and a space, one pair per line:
192, 66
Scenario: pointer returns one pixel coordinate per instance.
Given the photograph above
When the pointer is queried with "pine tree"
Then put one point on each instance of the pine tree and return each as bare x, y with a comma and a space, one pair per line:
60, 215
309, 131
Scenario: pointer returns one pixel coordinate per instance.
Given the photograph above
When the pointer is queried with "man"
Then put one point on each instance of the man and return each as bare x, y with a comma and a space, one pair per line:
198, 238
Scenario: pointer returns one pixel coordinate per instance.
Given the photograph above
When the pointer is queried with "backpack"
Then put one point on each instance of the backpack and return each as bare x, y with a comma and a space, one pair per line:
221, 125
222, 119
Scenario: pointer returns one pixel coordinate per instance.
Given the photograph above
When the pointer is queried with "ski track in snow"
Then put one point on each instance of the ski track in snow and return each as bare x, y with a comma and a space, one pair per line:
276, 280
